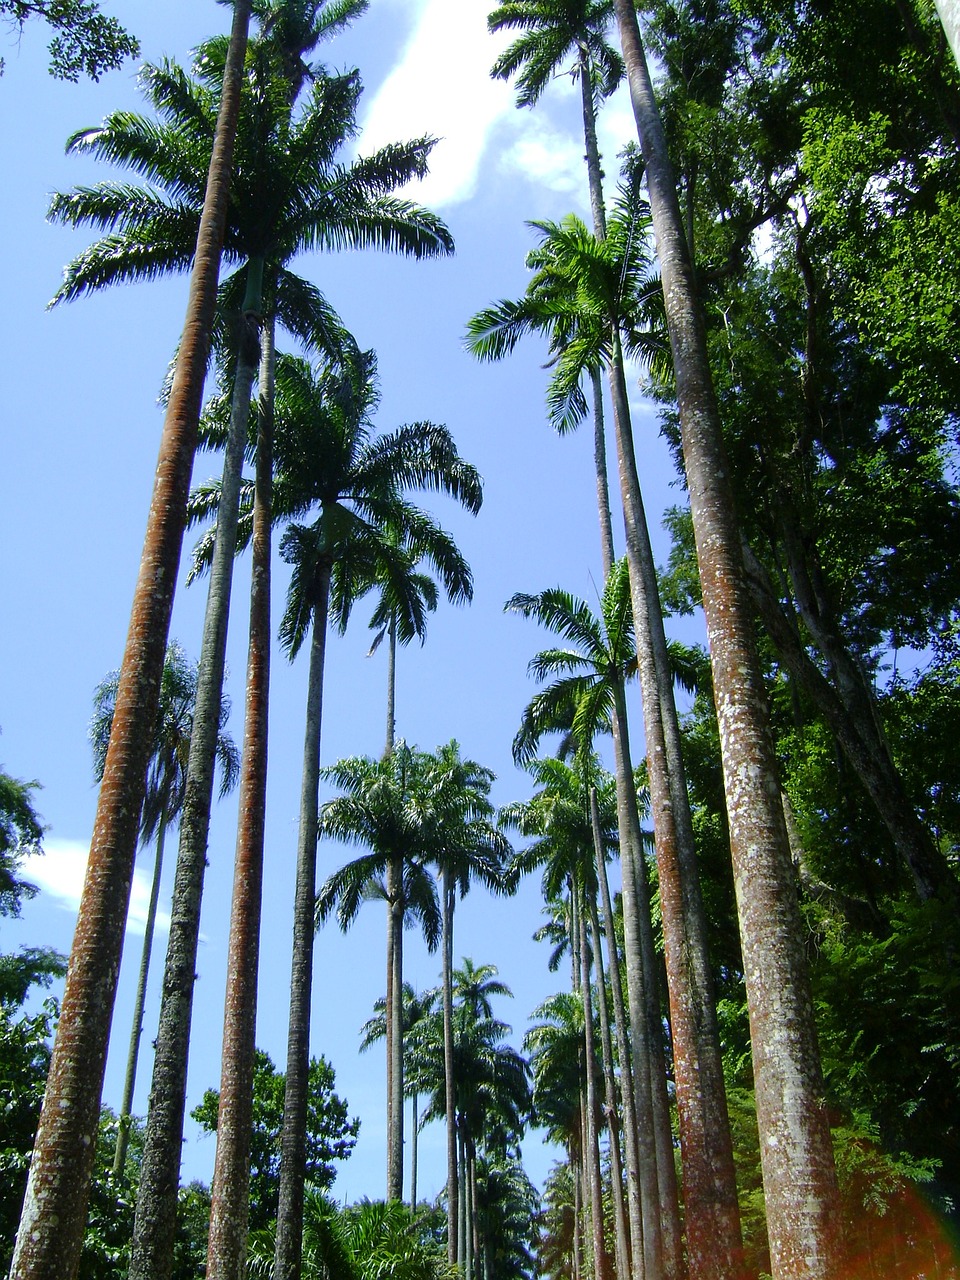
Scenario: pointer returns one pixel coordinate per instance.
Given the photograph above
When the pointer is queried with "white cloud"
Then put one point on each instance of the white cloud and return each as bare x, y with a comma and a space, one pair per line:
549, 158
59, 873
442, 86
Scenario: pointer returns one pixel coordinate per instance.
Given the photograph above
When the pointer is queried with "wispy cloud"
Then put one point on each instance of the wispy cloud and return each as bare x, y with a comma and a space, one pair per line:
59, 871
441, 86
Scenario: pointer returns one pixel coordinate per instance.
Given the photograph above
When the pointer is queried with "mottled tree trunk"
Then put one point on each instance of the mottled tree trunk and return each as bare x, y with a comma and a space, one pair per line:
293, 1140
133, 1053
230, 1189
154, 1226
714, 1240
54, 1207
798, 1171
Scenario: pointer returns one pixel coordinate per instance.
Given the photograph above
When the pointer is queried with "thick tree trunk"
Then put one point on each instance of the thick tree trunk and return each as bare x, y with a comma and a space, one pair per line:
601, 1259
714, 1241
798, 1170
154, 1225
133, 1053
449, 1082
293, 1141
230, 1189
623, 1051
54, 1207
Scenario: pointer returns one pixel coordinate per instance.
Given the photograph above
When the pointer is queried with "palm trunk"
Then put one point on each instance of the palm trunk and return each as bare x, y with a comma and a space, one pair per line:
391, 685
130, 1080
623, 1050
610, 1089
798, 1169
229, 1191
638, 979
54, 1207
601, 1260
155, 1220
714, 1241
413, 1150
466, 1251
395, 1131
449, 1083
293, 1141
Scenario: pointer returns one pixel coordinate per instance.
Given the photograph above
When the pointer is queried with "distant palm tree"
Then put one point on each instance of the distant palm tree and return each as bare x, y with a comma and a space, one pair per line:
416, 1007
384, 810
166, 779
51, 1228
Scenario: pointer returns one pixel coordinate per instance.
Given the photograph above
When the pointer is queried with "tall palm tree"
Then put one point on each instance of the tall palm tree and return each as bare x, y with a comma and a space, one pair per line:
470, 846
800, 1188
291, 194
51, 1227
416, 1007
166, 778
383, 809
334, 461
595, 280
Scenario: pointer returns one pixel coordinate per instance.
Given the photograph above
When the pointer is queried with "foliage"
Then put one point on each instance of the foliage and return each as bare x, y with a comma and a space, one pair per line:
331, 1135
371, 1240
85, 41
21, 831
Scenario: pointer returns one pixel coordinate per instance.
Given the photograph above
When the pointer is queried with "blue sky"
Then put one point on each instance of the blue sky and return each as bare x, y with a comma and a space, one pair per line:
81, 427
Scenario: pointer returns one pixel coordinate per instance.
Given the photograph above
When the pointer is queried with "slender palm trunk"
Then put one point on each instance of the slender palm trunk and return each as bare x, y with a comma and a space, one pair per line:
391, 684
623, 1051
154, 1226
229, 1191
133, 1053
466, 1234
449, 1083
293, 1141
611, 1110
54, 1207
639, 977
798, 1169
601, 1259
413, 1148
395, 1131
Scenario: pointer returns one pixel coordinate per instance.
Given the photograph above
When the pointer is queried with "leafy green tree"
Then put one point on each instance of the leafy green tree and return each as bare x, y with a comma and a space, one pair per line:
85, 41
331, 1134
21, 832
51, 1231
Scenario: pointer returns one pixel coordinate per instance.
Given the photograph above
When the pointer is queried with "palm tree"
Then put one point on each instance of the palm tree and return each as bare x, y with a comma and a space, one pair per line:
470, 845
384, 810
597, 279
291, 194
51, 1227
166, 778
333, 460
800, 1187
416, 1007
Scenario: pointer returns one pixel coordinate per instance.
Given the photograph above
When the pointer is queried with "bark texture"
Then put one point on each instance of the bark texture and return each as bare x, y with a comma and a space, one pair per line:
798, 1171
154, 1226
54, 1208
230, 1188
